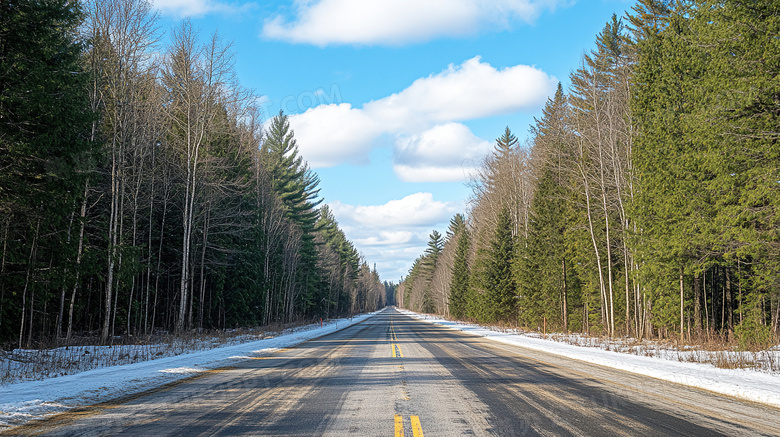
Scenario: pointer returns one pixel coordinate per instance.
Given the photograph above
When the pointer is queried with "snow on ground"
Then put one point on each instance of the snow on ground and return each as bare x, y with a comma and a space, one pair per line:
25, 401
746, 384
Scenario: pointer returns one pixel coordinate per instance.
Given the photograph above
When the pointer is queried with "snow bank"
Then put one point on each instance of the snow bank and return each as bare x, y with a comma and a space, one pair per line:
29, 400
741, 383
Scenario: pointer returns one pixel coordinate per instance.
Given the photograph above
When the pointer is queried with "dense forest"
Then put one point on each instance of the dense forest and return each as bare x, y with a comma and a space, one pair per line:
140, 191
645, 201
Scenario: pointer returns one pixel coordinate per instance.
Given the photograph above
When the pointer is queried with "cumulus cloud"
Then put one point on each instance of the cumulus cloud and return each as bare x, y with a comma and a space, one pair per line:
411, 219
417, 209
397, 22
386, 238
472, 90
336, 133
444, 153
328, 135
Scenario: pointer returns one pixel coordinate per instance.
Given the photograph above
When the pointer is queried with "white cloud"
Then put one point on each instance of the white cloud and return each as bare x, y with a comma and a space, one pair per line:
386, 238
336, 133
393, 261
182, 7
413, 210
197, 8
411, 219
444, 153
418, 173
472, 90
396, 22
331, 134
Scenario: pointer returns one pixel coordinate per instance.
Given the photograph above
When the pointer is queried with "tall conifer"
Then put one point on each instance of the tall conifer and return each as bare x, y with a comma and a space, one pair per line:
494, 273
296, 185
459, 285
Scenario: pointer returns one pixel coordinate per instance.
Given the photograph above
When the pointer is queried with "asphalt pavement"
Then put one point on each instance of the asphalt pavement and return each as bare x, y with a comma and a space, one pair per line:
396, 375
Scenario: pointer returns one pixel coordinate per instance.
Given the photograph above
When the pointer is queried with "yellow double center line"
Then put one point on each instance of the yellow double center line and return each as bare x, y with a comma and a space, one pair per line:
395, 347
399, 420
416, 427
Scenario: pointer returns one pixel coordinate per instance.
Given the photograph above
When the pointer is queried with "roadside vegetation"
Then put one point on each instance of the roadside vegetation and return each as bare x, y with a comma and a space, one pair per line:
83, 354
141, 196
644, 204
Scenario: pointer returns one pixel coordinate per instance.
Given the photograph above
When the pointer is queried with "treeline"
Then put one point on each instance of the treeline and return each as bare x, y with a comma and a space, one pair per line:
646, 200
139, 191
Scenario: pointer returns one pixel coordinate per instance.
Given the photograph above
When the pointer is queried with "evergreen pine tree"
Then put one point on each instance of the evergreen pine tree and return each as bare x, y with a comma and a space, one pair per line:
44, 109
430, 260
674, 206
494, 273
504, 144
540, 268
296, 186
45, 152
737, 120
459, 286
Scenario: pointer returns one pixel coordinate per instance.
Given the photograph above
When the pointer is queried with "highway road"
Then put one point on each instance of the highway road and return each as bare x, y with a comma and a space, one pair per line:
395, 375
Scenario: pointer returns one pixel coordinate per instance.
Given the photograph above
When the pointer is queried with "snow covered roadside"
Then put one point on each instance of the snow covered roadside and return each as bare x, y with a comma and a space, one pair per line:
25, 401
741, 383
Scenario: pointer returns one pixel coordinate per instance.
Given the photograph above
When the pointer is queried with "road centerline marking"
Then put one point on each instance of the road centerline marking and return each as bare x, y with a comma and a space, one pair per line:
416, 427
399, 426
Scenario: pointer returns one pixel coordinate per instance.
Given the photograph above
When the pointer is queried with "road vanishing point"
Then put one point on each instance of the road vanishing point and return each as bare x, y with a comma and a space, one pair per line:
393, 375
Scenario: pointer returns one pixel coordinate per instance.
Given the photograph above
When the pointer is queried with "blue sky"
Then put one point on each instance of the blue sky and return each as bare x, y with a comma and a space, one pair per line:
394, 102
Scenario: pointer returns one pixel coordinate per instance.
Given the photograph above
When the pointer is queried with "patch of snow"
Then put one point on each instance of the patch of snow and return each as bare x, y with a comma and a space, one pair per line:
182, 370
